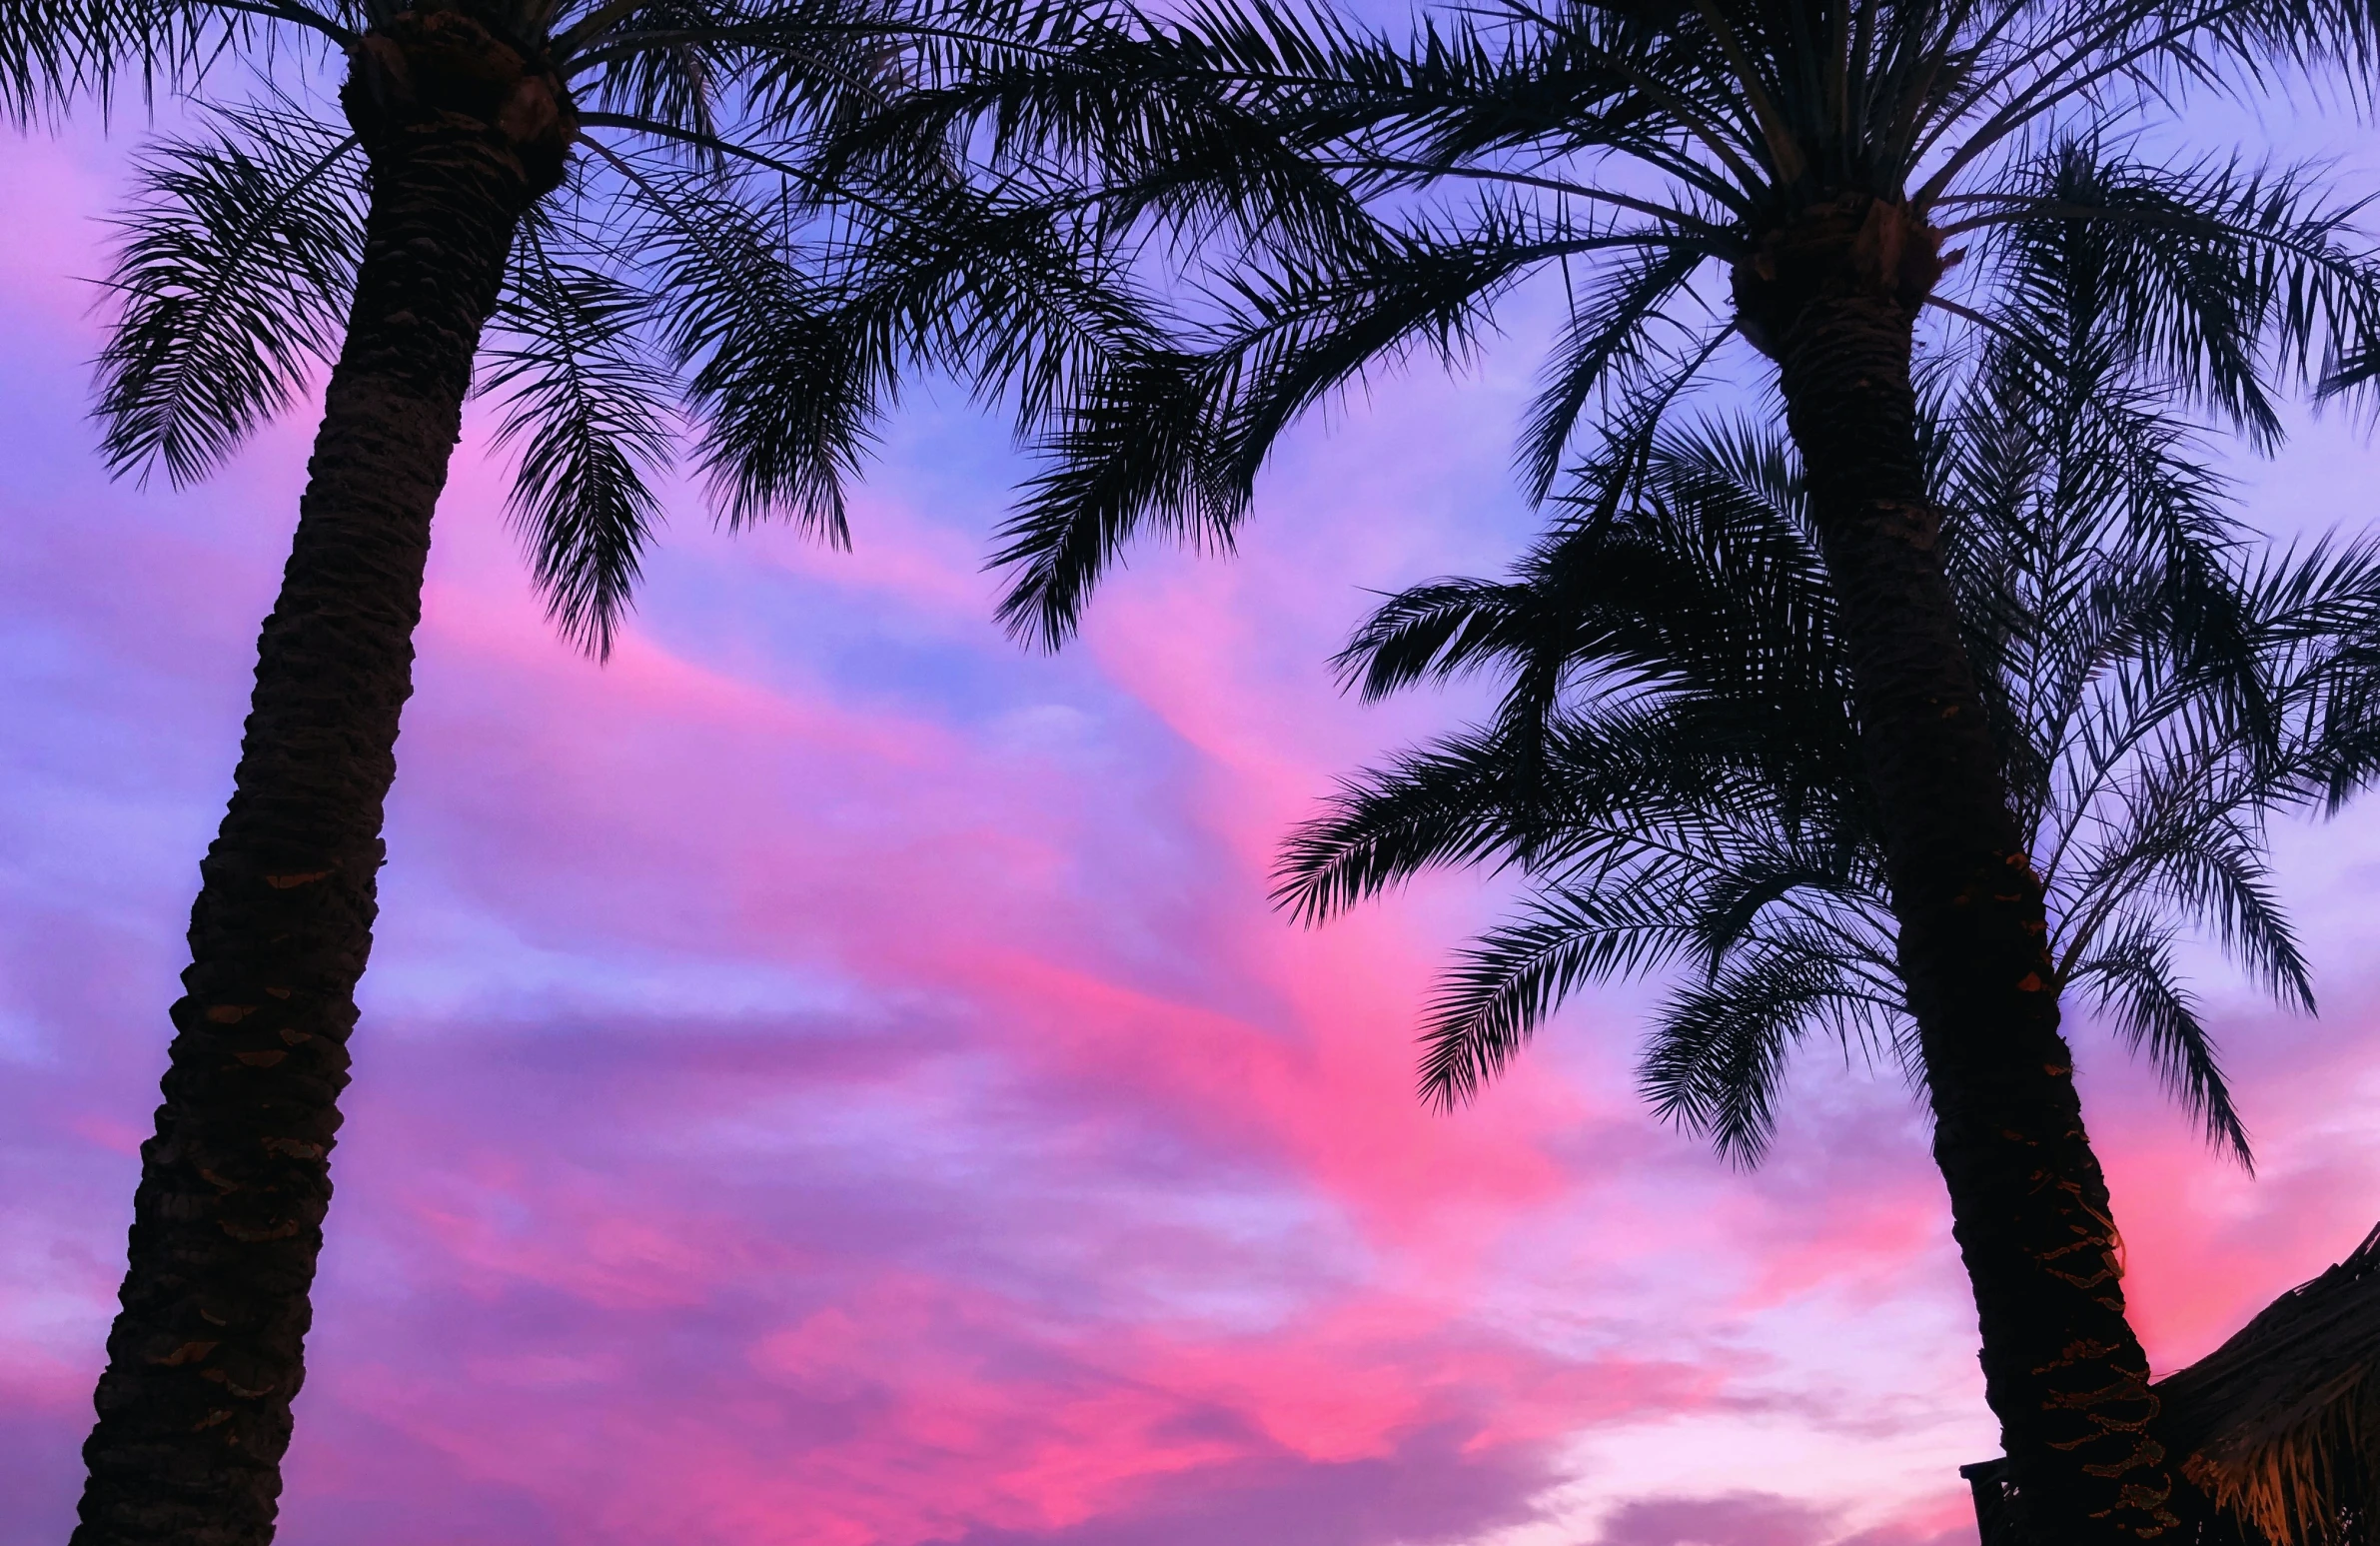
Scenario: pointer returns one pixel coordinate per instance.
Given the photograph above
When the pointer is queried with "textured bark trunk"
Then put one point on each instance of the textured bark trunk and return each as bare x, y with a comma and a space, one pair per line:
1834, 300
207, 1354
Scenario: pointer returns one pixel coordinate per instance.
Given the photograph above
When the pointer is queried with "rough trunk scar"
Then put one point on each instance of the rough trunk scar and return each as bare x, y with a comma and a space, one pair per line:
287, 882
242, 1391
230, 1013
188, 1352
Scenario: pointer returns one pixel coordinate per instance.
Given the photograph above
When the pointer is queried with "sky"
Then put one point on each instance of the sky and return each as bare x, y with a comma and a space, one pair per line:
831, 1076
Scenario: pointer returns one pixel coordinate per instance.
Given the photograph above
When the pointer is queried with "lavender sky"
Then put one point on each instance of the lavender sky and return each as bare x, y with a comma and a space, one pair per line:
832, 1077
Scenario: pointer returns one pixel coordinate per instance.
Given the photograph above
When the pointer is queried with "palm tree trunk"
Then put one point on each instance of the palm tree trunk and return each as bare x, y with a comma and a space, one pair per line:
207, 1354
1834, 301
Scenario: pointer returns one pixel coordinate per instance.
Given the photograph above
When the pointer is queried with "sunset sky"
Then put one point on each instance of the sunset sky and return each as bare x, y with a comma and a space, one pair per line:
832, 1077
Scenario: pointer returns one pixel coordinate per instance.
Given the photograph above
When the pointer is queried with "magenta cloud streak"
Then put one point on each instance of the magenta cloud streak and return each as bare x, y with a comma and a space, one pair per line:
832, 1077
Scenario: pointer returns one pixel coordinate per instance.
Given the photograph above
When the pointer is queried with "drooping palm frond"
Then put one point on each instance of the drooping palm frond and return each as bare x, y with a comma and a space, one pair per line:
589, 410
1501, 986
232, 280
1132, 454
2131, 979
1443, 805
784, 407
1720, 1046
56, 53
1612, 339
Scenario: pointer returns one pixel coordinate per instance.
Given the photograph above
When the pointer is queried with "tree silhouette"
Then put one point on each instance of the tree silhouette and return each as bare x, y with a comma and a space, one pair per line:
602, 208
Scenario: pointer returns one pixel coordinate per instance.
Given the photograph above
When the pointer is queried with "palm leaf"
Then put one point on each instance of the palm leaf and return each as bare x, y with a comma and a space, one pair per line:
1716, 1064
588, 408
2132, 979
232, 277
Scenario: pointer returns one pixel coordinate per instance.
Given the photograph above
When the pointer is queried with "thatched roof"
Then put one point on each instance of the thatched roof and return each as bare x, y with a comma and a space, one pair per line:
2281, 1424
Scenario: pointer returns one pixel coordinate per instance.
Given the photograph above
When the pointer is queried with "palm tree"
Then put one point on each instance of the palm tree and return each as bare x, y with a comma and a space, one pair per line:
599, 206
1703, 175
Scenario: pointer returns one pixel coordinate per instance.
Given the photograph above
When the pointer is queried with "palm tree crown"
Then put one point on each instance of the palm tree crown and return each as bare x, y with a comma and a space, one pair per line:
1675, 764
676, 269
1321, 199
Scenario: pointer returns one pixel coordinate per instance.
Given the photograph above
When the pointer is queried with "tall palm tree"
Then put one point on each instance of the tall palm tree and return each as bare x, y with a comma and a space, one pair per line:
1772, 186
599, 206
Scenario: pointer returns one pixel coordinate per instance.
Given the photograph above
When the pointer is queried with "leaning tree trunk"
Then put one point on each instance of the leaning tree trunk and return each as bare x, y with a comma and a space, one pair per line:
1833, 297
204, 1360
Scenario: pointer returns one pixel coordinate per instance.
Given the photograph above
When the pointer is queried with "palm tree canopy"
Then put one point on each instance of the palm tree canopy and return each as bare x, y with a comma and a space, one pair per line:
1674, 763
673, 293
1320, 199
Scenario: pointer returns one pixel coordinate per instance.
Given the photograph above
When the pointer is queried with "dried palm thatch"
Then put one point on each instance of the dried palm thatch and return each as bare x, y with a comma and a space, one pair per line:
2278, 1429
2280, 1426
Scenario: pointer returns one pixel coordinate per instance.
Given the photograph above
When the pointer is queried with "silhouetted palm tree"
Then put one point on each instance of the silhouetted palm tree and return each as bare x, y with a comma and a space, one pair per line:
1324, 199
613, 189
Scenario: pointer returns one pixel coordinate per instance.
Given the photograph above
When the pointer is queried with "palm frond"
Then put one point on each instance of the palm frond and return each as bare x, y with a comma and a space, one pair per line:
56, 52
2132, 978
1503, 985
1609, 339
232, 275
1716, 1063
1176, 438
40, 58
674, 80
784, 403
1442, 628
1296, 339
2209, 270
1131, 451
589, 411
1445, 804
